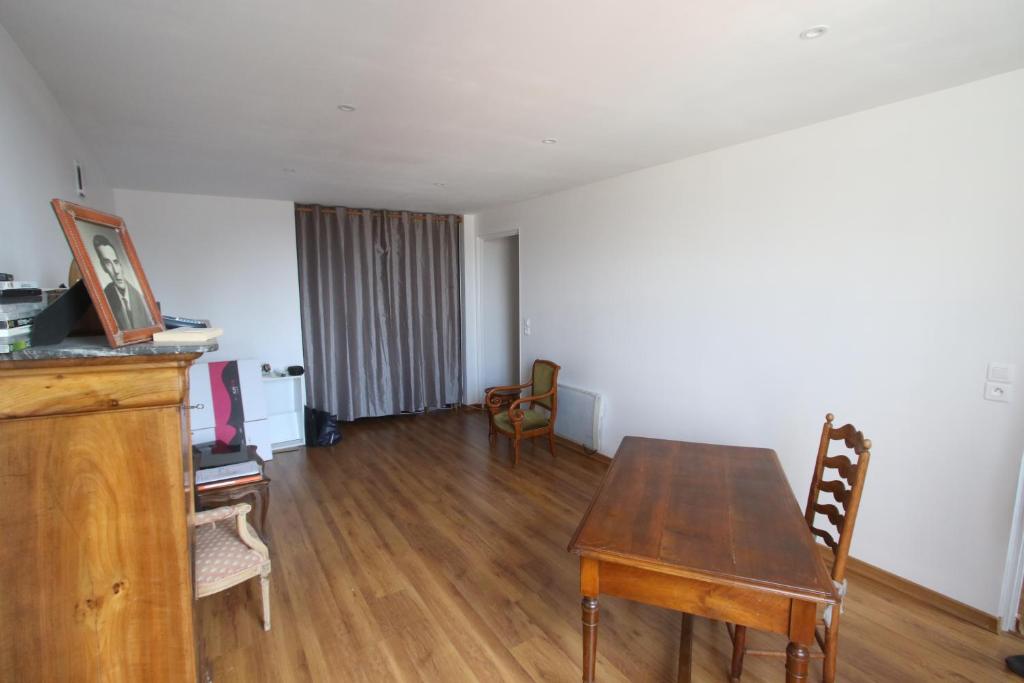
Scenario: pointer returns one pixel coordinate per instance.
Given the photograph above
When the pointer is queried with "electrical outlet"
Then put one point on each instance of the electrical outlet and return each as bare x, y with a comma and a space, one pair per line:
997, 391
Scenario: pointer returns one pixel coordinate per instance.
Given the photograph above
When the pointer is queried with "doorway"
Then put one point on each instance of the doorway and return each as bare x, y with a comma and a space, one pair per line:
499, 310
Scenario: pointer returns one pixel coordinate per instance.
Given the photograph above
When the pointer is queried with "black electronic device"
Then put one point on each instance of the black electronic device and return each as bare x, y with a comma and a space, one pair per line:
174, 321
218, 454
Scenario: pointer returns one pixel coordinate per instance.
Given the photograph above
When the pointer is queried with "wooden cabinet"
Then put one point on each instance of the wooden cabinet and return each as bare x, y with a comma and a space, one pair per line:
95, 501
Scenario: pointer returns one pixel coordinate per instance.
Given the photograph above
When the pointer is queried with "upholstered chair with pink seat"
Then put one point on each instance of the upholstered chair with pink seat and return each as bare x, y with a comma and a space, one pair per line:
228, 551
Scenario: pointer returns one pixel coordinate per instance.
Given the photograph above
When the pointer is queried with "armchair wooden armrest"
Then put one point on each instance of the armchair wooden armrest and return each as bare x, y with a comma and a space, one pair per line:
494, 401
515, 413
238, 511
221, 513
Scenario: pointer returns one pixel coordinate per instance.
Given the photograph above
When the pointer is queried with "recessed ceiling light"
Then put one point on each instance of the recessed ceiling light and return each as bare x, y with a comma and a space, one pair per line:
346, 107
548, 141
814, 32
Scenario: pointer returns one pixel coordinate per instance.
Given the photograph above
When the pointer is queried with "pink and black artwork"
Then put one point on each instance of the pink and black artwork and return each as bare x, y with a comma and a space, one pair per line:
228, 414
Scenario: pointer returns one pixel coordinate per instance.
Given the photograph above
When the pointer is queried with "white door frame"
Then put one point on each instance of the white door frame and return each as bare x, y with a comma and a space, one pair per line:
480, 239
1013, 574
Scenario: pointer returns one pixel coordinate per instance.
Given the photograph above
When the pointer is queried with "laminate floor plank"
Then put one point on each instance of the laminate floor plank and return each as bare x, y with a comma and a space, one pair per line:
413, 551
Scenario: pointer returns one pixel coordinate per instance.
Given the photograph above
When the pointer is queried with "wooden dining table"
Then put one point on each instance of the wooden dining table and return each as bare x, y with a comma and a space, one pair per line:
706, 530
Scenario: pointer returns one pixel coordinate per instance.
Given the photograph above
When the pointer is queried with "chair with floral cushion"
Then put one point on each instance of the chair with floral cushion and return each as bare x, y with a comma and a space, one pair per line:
508, 416
228, 551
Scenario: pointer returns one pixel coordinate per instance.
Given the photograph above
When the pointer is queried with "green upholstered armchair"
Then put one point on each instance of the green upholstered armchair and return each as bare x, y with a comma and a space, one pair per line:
508, 416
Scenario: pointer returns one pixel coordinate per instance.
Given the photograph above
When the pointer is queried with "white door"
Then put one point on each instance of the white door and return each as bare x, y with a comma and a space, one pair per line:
499, 311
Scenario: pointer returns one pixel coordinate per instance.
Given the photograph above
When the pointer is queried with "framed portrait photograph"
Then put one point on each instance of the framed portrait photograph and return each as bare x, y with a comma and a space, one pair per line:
111, 272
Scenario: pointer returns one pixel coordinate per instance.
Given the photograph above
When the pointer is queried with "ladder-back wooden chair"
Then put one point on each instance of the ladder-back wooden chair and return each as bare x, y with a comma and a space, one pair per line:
845, 489
512, 421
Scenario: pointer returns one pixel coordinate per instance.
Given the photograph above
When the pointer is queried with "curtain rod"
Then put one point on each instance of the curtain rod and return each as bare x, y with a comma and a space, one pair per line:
389, 214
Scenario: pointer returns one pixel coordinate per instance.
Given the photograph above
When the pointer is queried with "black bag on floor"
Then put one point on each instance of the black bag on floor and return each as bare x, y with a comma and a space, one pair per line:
321, 428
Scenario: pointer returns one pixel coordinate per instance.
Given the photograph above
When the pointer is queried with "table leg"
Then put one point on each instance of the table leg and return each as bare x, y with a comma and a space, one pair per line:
590, 619
739, 649
797, 657
685, 649
264, 506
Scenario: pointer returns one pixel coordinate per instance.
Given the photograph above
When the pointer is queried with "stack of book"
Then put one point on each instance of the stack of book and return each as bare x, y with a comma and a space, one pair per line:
20, 303
219, 466
183, 336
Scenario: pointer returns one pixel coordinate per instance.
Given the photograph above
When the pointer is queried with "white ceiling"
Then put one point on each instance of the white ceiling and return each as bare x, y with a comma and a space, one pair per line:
220, 96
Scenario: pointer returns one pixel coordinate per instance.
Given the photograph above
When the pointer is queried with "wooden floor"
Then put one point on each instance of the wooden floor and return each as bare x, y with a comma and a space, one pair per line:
414, 552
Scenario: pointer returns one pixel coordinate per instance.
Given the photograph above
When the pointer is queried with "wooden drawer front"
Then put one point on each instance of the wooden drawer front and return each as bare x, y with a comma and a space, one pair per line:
759, 609
53, 391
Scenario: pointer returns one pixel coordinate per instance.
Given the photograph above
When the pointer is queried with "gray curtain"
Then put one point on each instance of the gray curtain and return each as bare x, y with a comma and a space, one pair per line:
381, 310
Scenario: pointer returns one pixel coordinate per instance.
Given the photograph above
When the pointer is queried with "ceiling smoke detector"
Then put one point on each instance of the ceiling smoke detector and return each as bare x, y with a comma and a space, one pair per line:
346, 107
814, 32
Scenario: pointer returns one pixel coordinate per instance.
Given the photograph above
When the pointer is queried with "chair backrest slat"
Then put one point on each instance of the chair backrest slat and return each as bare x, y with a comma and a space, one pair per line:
846, 489
847, 470
837, 489
833, 513
827, 537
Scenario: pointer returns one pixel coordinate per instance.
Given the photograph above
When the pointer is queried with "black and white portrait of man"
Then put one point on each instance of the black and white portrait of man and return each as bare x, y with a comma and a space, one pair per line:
125, 299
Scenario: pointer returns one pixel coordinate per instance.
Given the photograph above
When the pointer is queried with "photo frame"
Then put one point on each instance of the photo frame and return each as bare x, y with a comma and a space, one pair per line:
111, 272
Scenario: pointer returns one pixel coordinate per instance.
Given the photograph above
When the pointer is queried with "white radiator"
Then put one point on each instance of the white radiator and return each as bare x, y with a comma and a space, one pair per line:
579, 416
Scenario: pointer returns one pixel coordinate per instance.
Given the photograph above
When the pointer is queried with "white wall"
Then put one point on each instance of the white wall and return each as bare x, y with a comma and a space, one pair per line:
869, 265
38, 149
227, 259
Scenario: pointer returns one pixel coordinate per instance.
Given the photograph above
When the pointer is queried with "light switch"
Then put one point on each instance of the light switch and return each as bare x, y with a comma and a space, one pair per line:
526, 327
1001, 372
997, 391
